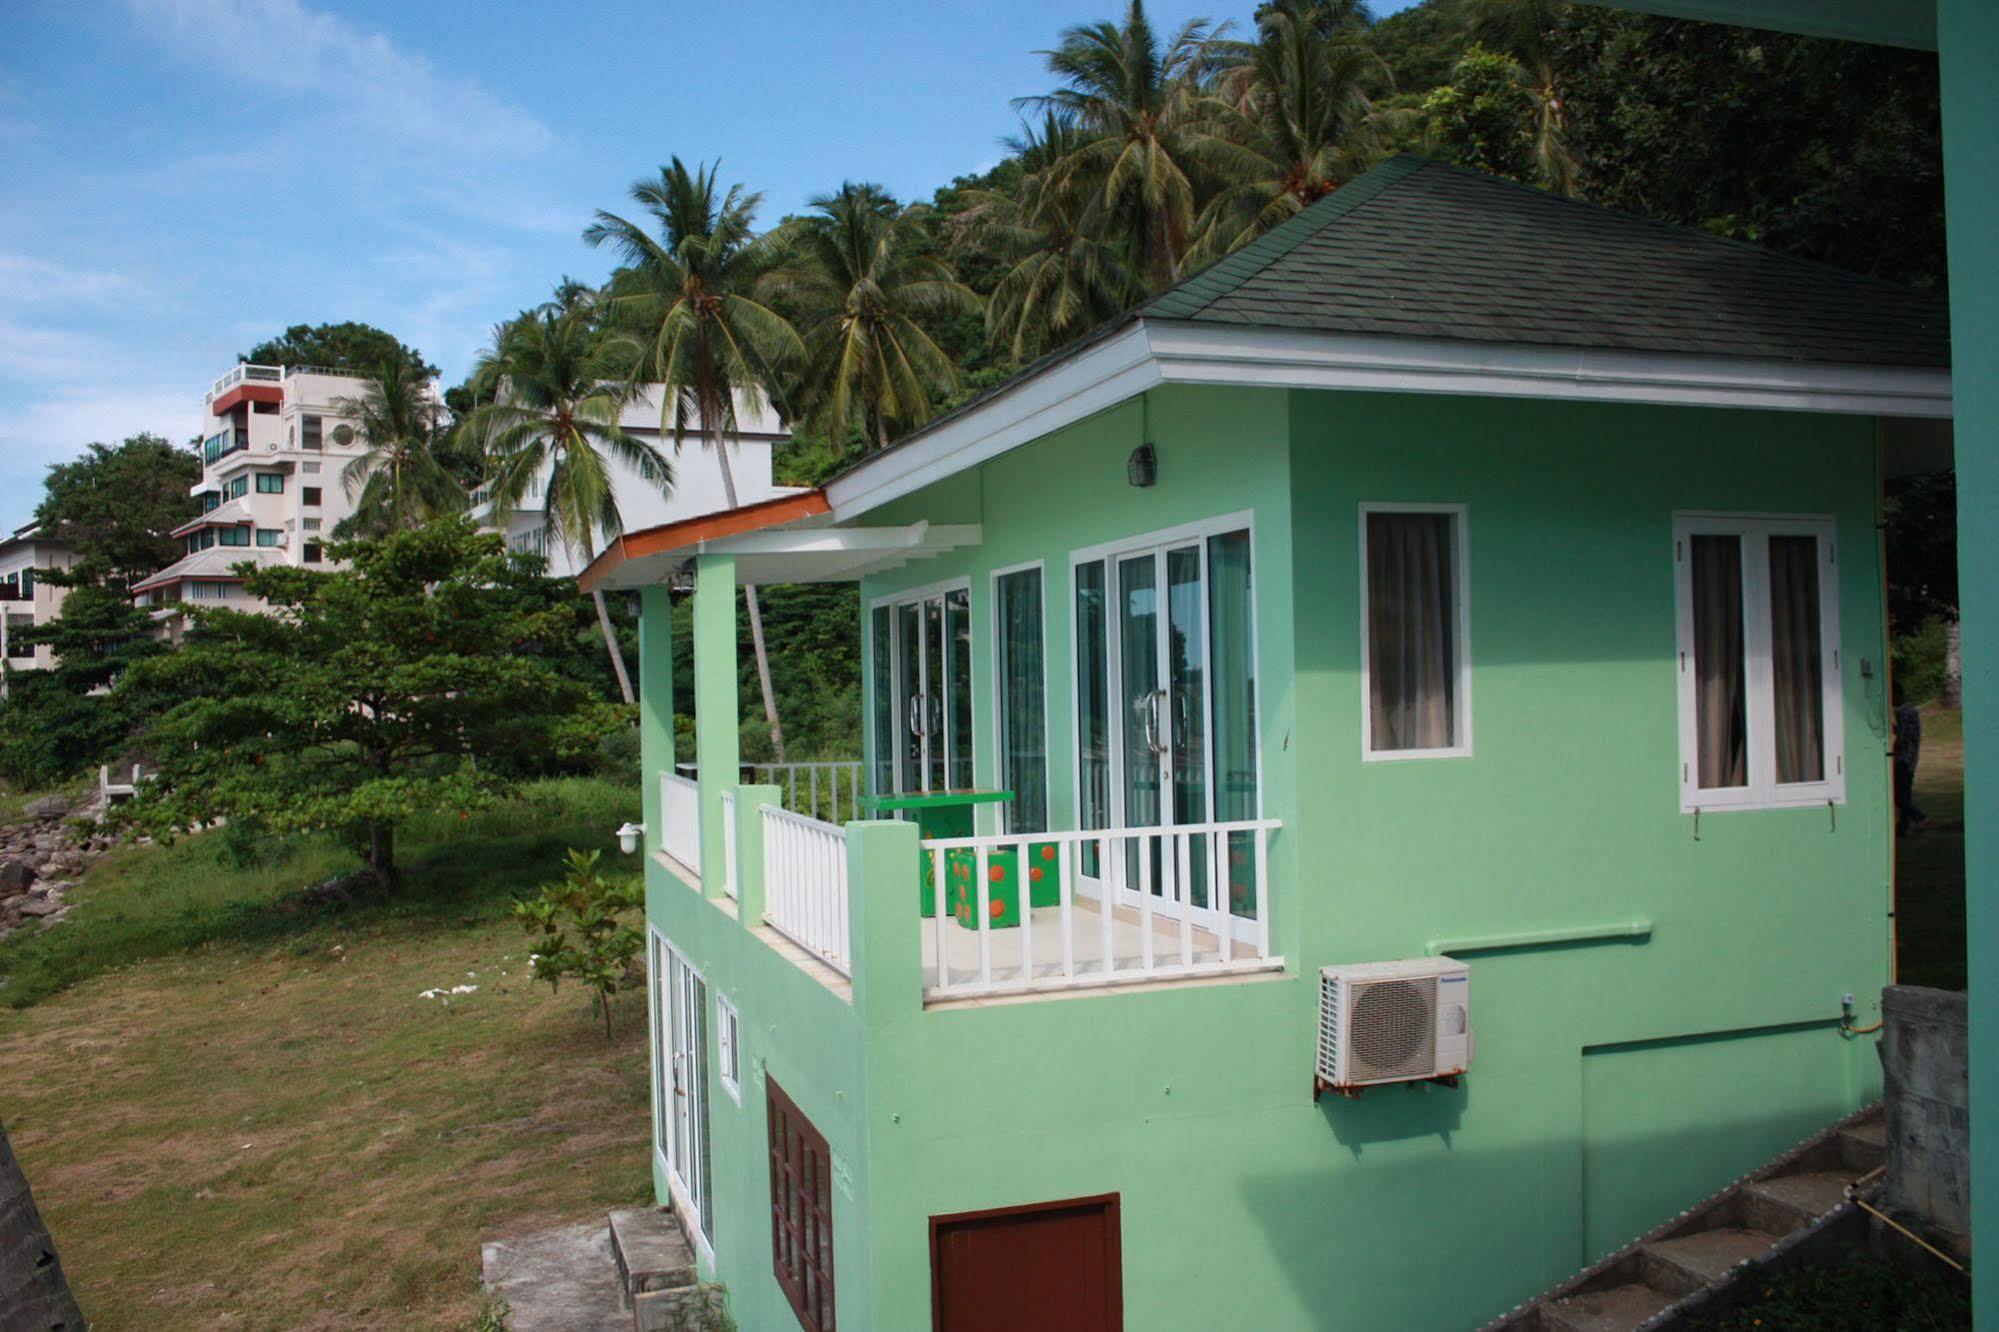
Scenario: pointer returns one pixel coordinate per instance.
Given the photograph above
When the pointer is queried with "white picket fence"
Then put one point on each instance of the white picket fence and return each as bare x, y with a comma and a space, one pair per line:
680, 819
1129, 905
805, 885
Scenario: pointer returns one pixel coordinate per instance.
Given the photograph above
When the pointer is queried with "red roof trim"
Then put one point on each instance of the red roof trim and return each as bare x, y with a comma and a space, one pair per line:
706, 527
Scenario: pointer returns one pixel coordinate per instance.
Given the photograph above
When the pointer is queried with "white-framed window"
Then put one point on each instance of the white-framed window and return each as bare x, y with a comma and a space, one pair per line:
1415, 631
728, 1048
1758, 661
1020, 645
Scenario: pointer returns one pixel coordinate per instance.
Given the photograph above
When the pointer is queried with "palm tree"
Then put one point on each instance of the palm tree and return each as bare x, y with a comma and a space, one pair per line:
1524, 29
862, 297
1063, 276
1138, 100
688, 294
399, 482
1292, 119
553, 423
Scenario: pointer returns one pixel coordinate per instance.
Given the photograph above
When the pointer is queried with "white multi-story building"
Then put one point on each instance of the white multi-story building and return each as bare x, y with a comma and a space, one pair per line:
275, 444
697, 481
27, 598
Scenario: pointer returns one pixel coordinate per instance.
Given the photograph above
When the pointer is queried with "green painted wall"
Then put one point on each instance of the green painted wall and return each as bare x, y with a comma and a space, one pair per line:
1968, 41
1194, 1101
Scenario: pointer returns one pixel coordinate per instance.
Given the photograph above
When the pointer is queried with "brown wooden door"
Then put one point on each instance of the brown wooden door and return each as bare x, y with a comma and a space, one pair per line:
1049, 1267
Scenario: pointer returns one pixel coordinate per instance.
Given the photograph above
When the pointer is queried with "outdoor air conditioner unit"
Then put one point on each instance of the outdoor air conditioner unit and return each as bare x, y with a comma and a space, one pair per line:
1393, 1022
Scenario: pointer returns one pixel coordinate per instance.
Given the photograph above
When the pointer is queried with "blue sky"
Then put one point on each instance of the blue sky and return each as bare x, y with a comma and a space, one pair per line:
182, 178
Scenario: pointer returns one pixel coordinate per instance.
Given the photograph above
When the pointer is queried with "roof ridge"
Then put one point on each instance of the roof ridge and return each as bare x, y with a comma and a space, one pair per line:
1194, 294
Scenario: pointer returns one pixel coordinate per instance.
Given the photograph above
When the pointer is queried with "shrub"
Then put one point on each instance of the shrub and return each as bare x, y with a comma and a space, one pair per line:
584, 929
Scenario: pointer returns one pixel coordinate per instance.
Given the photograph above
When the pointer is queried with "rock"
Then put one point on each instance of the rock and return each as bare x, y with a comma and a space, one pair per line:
42, 906
15, 876
48, 807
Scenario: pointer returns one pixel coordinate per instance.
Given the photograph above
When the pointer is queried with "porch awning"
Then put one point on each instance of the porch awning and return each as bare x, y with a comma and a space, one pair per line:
790, 539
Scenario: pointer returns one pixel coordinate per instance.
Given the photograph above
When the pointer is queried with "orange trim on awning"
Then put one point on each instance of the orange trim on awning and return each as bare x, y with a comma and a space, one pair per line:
706, 527
243, 393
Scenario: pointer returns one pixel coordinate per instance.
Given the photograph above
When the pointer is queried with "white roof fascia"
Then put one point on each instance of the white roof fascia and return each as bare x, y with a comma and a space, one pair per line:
1154, 352
1097, 377
1191, 353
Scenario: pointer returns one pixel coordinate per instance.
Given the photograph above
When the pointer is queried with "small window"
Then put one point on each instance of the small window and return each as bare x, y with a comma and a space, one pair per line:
309, 429
801, 1210
1023, 715
211, 500
1416, 662
312, 553
270, 483
1760, 723
311, 497
727, 1048
234, 536
239, 487
268, 536
312, 524
310, 469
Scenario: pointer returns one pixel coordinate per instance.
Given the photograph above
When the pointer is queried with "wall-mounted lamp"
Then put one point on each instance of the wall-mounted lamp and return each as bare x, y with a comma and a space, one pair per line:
628, 837
1142, 468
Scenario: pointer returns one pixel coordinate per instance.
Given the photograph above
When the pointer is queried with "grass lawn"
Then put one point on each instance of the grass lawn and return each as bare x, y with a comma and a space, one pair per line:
235, 1111
1929, 865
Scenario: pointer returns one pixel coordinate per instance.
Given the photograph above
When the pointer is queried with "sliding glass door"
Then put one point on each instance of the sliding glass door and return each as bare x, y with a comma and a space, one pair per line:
1166, 720
680, 1082
928, 697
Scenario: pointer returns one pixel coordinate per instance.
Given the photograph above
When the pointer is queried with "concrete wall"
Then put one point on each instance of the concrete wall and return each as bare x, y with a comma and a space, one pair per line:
1924, 1051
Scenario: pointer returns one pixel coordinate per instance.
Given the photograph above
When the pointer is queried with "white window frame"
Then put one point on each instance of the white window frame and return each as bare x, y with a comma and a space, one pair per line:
661, 952
897, 689
1763, 791
1107, 553
1461, 740
728, 1048
999, 695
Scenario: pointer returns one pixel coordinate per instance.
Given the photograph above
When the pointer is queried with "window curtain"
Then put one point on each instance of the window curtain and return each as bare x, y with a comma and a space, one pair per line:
1720, 709
1023, 702
1411, 631
1797, 680
1093, 736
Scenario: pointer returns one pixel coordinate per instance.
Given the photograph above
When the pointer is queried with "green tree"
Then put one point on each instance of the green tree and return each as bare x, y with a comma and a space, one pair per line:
553, 427
117, 504
865, 299
1060, 276
1138, 100
1529, 32
1293, 118
59, 722
585, 929
1481, 118
400, 480
365, 700
688, 294
361, 348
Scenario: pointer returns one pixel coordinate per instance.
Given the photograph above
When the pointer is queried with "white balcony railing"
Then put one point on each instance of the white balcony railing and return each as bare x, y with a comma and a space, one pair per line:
680, 819
729, 844
257, 374
805, 885
822, 790
1106, 907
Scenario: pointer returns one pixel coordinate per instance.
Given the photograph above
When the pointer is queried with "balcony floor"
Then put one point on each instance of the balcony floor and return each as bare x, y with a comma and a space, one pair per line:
1127, 946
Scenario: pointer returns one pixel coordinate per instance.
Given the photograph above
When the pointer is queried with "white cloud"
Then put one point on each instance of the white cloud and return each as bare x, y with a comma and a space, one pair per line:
26, 280
56, 426
349, 75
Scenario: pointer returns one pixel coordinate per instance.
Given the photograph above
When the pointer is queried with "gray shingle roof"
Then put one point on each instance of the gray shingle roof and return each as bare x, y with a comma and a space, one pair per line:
1418, 249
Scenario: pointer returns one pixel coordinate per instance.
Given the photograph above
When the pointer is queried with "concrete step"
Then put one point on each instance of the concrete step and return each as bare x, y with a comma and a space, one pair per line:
1783, 1204
651, 1252
1685, 1263
1864, 1146
1618, 1309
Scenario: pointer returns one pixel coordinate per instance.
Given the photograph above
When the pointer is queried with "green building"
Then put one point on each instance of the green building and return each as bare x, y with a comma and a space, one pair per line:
1457, 572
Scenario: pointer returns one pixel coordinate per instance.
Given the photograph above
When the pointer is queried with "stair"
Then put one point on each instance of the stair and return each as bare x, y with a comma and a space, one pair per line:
658, 1280
1688, 1261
